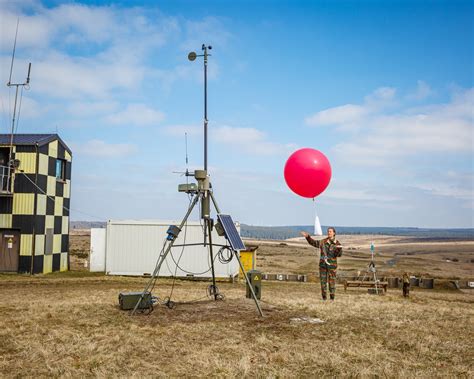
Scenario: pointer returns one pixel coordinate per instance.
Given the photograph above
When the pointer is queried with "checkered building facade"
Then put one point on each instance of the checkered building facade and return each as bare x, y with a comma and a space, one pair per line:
40, 211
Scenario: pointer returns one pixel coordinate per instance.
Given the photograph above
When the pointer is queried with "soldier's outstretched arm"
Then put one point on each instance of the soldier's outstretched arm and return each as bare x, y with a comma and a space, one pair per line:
311, 241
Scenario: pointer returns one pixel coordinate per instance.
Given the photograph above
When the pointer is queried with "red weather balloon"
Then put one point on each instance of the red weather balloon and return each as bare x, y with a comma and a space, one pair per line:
307, 172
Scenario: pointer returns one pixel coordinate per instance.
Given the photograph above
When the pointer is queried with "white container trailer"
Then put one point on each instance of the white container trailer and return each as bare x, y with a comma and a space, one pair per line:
133, 247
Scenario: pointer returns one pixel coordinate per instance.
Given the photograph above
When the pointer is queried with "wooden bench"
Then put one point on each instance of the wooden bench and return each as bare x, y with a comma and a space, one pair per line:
365, 284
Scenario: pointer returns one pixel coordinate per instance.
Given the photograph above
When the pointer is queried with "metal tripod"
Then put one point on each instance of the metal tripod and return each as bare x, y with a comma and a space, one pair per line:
202, 192
205, 195
371, 269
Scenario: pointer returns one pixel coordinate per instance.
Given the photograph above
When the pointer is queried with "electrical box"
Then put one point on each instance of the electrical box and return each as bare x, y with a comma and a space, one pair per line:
219, 228
188, 188
255, 279
172, 232
128, 300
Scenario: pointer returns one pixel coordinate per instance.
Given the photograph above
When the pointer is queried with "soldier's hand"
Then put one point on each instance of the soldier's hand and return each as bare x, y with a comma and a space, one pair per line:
304, 234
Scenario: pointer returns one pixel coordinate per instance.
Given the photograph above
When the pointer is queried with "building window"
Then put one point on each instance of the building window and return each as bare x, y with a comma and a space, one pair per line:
61, 169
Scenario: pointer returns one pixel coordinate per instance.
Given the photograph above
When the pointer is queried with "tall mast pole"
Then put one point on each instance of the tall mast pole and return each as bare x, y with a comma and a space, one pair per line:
204, 47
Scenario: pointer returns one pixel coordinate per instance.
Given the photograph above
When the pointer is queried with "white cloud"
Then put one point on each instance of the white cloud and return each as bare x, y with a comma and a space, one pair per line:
99, 148
383, 138
181, 72
87, 109
352, 191
233, 135
77, 24
350, 114
68, 77
343, 114
34, 31
180, 130
381, 94
26, 106
136, 114
80, 23
209, 30
423, 91
451, 184
110, 47
402, 144
250, 140
447, 190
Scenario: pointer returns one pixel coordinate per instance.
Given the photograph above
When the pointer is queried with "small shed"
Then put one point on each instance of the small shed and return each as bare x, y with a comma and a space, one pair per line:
132, 248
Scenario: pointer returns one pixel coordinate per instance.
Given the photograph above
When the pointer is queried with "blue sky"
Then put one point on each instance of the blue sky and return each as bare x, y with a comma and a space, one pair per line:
384, 89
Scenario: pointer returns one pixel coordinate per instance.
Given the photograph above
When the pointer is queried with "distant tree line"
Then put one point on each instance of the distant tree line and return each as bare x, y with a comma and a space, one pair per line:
285, 232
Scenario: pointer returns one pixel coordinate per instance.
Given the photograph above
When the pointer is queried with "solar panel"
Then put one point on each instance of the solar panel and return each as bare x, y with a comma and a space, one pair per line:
231, 232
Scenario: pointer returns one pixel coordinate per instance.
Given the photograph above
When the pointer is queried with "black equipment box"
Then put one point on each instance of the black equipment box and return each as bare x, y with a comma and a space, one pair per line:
128, 300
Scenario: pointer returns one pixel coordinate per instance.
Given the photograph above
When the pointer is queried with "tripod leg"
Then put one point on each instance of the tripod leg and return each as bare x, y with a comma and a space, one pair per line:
163, 256
214, 202
375, 281
240, 262
214, 287
248, 283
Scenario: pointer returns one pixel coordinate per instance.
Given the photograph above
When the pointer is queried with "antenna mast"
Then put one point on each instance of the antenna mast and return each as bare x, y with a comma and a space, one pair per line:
192, 56
25, 85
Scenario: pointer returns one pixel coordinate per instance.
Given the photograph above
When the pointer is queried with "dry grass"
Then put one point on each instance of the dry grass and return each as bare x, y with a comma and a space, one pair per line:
69, 325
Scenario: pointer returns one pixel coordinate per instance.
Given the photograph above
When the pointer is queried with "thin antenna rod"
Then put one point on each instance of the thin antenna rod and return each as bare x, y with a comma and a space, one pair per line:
29, 72
204, 47
25, 85
186, 142
13, 54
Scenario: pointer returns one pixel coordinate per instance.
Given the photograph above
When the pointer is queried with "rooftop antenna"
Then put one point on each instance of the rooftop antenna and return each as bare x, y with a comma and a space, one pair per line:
24, 85
203, 193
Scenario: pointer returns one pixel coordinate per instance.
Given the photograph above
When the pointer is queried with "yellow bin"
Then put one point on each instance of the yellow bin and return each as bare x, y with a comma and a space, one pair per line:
249, 259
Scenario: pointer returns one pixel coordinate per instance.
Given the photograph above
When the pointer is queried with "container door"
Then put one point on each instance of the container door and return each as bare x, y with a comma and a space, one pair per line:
9, 250
97, 253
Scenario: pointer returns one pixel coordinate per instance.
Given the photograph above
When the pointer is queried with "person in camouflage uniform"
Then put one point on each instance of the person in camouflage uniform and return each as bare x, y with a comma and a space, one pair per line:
330, 249
406, 284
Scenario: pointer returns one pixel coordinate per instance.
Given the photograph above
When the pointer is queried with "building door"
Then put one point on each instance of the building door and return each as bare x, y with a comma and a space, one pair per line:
9, 250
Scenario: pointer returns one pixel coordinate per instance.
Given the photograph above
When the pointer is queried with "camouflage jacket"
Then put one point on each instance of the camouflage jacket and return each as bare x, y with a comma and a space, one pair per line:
327, 248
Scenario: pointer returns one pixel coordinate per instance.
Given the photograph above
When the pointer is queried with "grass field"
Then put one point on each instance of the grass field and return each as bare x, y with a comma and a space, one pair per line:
69, 324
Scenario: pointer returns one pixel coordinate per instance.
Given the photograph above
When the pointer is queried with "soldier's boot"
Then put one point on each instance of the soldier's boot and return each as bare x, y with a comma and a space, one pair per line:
324, 291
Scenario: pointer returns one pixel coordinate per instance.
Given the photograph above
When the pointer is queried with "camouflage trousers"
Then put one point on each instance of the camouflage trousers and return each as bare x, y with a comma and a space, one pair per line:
327, 275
